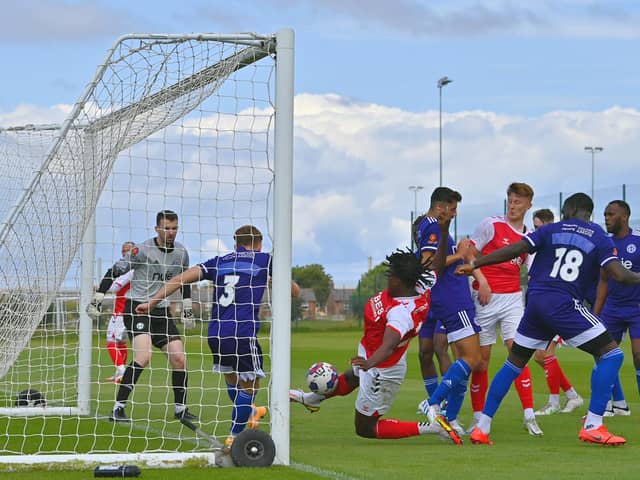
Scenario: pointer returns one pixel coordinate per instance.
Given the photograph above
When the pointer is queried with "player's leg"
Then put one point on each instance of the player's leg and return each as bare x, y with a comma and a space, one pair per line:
425, 356
241, 362
635, 350
139, 328
511, 314
487, 319
463, 335
610, 358
378, 389
512, 368
544, 358
617, 404
441, 348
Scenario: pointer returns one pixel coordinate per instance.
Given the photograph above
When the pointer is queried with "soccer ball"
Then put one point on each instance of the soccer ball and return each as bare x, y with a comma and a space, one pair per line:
322, 378
30, 398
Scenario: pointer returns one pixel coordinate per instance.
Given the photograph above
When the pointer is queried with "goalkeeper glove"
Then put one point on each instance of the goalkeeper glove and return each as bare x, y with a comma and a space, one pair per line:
188, 319
95, 307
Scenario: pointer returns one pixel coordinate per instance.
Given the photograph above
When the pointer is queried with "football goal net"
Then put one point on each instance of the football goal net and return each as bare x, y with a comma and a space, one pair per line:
198, 124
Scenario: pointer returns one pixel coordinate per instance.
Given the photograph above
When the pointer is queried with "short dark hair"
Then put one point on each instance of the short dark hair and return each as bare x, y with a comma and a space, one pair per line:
405, 265
623, 205
578, 201
445, 195
545, 215
169, 215
247, 236
522, 189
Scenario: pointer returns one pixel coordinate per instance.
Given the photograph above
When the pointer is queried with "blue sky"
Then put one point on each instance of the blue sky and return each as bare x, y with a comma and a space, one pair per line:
534, 82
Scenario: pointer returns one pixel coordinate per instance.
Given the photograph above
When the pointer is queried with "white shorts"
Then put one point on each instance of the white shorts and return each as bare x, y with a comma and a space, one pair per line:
379, 386
116, 331
504, 310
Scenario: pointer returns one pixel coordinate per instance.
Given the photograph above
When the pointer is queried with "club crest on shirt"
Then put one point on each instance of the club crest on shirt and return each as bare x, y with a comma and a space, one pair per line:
433, 238
139, 326
631, 248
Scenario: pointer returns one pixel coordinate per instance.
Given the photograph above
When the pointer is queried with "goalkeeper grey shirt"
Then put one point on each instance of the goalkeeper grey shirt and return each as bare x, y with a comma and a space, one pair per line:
152, 267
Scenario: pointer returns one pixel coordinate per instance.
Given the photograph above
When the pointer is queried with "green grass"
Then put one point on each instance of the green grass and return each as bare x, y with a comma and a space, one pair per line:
324, 445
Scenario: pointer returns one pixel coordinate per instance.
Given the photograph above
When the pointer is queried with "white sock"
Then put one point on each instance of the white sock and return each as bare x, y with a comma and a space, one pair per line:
484, 423
180, 408
118, 405
571, 393
554, 400
620, 403
592, 421
529, 414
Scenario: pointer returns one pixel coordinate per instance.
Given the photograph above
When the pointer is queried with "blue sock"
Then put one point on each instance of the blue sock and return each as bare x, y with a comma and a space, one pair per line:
602, 379
455, 399
638, 379
459, 371
499, 387
616, 392
430, 384
241, 412
232, 391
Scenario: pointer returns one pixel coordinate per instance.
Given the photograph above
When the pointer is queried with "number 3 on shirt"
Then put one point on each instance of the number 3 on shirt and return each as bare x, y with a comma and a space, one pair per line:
567, 264
229, 294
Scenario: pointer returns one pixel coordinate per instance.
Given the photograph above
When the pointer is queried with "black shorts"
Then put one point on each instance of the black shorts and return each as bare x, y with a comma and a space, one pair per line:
158, 323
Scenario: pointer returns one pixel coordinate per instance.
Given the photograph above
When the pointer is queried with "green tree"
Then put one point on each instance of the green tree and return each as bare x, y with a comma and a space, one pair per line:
313, 276
370, 283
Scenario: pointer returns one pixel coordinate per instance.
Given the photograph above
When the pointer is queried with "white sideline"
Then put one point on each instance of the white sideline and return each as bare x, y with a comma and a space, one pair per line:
321, 472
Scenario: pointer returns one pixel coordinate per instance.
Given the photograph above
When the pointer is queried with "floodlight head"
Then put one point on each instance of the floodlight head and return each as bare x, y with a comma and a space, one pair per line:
444, 81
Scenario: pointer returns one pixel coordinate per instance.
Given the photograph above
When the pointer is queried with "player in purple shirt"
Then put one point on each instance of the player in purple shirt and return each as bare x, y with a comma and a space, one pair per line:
621, 311
451, 304
240, 279
569, 255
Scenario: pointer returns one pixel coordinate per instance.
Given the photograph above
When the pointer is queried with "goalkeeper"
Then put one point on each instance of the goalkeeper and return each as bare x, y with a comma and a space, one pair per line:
240, 279
153, 262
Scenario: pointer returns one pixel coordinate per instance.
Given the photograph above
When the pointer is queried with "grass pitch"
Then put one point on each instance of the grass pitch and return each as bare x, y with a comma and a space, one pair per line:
324, 445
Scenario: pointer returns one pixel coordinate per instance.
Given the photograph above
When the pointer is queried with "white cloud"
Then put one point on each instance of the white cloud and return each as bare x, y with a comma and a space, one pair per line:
354, 162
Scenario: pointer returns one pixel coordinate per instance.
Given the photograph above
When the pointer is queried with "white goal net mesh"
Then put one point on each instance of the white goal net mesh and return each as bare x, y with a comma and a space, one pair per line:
179, 123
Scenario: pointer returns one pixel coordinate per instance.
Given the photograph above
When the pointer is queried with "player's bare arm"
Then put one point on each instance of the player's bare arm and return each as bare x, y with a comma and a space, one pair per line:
439, 261
601, 292
390, 341
498, 256
618, 273
191, 275
484, 289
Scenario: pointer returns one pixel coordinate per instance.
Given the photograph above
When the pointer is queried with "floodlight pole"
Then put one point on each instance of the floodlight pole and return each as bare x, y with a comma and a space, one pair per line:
441, 83
593, 151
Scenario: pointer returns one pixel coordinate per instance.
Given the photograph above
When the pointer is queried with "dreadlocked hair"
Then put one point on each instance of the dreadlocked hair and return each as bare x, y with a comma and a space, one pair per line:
406, 266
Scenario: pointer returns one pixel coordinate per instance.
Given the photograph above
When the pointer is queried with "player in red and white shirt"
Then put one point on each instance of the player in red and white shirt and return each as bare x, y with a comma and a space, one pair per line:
498, 298
391, 319
116, 331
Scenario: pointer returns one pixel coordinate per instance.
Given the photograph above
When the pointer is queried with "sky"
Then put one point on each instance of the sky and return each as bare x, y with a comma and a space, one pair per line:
533, 84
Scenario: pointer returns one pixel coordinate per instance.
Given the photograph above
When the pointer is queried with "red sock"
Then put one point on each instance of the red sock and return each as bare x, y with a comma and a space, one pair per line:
551, 368
121, 354
523, 386
479, 386
565, 384
391, 428
343, 388
113, 351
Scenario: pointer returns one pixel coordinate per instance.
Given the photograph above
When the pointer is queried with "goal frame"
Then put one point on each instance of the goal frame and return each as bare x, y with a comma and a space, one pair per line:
283, 48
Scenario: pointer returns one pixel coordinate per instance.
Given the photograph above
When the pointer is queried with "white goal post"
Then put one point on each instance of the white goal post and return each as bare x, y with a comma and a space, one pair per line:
201, 124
